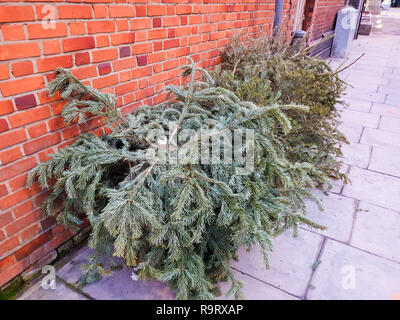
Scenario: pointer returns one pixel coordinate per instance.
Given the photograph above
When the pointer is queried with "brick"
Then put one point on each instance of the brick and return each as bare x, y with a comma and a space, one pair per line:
140, 11
33, 245
7, 262
4, 72
70, 132
74, 12
8, 245
121, 11
155, 10
124, 52
122, 25
85, 72
3, 190
21, 85
183, 9
100, 11
170, 21
171, 64
142, 94
16, 13
141, 36
13, 32
105, 81
156, 22
48, 222
173, 43
140, 24
36, 31
102, 26
56, 123
41, 143
22, 68
126, 88
141, 48
82, 58
122, 64
157, 57
158, 78
37, 130
77, 28
58, 107
3, 125
10, 273
141, 60
102, 41
157, 34
104, 68
75, 44
10, 138
50, 64
23, 209
20, 50
45, 154
121, 38
125, 76
10, 155
29, 116
104, 55
17, 168
22, 223
43, 97
51, 46
142, 72
25, 102
5, 218
30, 232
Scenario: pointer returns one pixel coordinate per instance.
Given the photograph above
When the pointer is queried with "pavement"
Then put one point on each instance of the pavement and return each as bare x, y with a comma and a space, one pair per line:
358, 256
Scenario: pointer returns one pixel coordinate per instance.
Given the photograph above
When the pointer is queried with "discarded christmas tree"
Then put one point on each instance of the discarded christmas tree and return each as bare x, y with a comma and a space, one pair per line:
269, 69
177, 221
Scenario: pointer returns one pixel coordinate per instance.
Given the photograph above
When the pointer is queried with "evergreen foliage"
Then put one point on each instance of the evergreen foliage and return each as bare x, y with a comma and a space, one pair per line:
268, 69
176, 222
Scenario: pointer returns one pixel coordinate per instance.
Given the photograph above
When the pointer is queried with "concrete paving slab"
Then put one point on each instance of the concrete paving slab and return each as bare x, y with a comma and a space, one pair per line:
254, 289
386, 110
357, 118
71, 271
61, 292
356, 154
291, 262
385, 160
358, 105
380, 138
120, 286
390, 124
366, 95
377, 230
352, 133
338, 184
373, 187
348, 273
393, 99
337, 215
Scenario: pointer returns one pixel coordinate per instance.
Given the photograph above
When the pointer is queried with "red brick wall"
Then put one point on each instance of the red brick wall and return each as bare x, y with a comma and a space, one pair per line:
321, 16
129, 48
